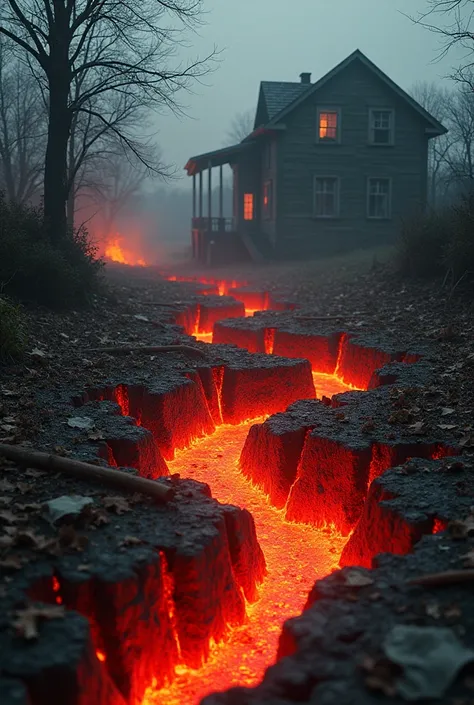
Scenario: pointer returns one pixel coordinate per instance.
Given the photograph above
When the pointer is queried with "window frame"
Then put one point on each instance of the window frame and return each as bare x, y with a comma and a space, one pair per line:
267, 210
337, 181
252, 201
389, 209
329, 109
371, 131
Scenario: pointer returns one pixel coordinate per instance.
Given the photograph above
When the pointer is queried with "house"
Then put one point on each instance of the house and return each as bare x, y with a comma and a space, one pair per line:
330, 166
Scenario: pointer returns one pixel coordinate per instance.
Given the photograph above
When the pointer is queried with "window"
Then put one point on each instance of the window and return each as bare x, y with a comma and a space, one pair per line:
381, 124
378, 198
268, 199
328, 125
248, 206
325, 196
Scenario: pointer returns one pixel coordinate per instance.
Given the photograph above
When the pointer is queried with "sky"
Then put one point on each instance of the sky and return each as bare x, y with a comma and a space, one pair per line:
277, 40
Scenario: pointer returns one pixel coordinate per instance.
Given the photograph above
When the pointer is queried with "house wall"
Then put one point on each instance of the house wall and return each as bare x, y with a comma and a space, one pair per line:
268, 159
300, 157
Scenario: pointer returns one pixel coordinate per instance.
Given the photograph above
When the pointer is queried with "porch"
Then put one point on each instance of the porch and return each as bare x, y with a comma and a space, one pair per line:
217, 238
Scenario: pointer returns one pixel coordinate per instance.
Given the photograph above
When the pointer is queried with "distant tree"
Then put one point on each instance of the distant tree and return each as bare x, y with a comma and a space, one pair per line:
114, 48
460, 111
240, 127
22, 128
436, 99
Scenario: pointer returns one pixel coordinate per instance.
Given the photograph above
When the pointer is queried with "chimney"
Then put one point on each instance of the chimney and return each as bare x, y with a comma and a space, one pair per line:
305, 78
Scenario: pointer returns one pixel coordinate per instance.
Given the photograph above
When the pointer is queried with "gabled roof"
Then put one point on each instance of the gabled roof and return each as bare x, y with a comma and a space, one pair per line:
274, 97
435, 127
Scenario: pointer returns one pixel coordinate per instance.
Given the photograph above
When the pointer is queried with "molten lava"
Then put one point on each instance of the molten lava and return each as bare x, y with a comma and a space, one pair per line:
251, 648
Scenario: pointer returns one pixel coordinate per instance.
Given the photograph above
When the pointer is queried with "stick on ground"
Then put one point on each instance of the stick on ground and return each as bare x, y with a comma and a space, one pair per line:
85, 471
448, 577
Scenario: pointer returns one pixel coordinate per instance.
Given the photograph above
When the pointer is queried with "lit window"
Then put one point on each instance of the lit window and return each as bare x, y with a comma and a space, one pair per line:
378, 198
248, 206
268, 199
328, 126
381, 124
325, 197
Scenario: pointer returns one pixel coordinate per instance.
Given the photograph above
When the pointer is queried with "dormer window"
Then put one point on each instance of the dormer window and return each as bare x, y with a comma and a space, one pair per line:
381, 126
328, 125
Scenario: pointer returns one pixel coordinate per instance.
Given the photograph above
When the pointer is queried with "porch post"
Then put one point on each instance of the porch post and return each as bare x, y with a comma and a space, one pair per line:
194, 196
221, 196
209, 198
200, 194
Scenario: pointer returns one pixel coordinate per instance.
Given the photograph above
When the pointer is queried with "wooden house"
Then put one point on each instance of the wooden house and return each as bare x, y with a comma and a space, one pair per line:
330, 166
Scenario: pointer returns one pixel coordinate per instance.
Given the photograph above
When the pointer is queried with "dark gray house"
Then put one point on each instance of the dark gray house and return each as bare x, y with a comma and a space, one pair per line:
330, 166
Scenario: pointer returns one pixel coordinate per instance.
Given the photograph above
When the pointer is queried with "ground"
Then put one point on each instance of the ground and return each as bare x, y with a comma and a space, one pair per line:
361, 293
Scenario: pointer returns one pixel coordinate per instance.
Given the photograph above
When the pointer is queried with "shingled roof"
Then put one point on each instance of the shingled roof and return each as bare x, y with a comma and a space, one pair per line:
279, 94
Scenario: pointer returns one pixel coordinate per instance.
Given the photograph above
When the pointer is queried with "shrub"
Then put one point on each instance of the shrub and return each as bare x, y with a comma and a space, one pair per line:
12, 330
440, 243
34, 271
422, 244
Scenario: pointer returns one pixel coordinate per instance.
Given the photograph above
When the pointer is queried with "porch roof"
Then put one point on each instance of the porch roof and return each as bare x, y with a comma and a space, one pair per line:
227, 155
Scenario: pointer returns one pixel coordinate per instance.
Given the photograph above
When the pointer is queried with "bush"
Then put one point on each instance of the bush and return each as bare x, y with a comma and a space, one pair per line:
440, 243
34, 271
422, 244
12, 330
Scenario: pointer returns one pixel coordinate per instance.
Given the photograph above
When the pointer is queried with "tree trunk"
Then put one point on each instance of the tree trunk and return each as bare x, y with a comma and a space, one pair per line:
55, 168
71, 165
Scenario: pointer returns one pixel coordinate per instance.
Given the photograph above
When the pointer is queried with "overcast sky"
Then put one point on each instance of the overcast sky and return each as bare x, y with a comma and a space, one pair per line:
277, 40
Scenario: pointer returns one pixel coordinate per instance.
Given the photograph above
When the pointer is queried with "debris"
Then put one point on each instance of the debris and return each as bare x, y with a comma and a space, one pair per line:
355, 578
83, 422
27, 621
66, 506
431, 658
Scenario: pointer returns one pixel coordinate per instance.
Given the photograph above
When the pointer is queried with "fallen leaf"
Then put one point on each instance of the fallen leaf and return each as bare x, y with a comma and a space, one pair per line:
27, 621
95, 436
447, 412
131, 541
66, 506
461, 529
69, 538
139, 317
8, 517
418, 428
469, 559
117, 504
446, 426
36, 352
31, 472
355, 578
12, 562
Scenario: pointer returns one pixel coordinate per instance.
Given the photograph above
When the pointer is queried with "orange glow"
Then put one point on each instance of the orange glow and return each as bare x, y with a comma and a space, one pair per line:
327, 385
124, 250
248, 206
100, 655
56, 588
252, 647
328, 126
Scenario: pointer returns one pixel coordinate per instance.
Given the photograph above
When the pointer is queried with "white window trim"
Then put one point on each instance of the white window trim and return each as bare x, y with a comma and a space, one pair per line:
337, 199
329, 109
391, 142
378, 217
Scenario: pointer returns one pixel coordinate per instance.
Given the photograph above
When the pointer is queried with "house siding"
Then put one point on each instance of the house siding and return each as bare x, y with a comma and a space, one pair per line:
299, 157
269, 173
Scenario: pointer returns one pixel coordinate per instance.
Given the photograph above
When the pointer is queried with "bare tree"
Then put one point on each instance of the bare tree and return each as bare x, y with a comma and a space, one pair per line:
22, 128
461, 154
436, 100
122, 48
240, 127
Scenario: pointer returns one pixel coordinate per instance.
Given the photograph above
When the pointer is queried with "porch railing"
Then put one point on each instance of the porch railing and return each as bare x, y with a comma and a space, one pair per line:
215, 225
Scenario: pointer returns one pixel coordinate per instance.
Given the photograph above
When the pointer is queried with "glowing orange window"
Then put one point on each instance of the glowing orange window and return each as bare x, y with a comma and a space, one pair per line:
248, 206
328, 125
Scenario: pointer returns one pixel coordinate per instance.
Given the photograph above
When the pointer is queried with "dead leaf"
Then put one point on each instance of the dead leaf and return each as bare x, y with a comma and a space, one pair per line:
447, 411
418, 428
36, 352
117, 504
12, 562
461, 529
5, 486
84, 567
469, 559
30, 472
27, 621
446, 426
356, 578
8, 517
95, 436
69, 538
132, 541
381, 675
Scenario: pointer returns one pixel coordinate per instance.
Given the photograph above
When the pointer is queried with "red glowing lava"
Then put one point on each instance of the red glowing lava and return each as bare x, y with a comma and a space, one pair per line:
251, 648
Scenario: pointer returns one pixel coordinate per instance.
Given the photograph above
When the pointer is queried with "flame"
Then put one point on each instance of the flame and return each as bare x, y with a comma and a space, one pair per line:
56, 589
251, 648
100, 655
118, 248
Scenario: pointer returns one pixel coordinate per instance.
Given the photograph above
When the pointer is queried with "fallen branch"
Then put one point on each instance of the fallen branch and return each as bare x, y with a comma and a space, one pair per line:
149, 350
85, 471
448, 577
